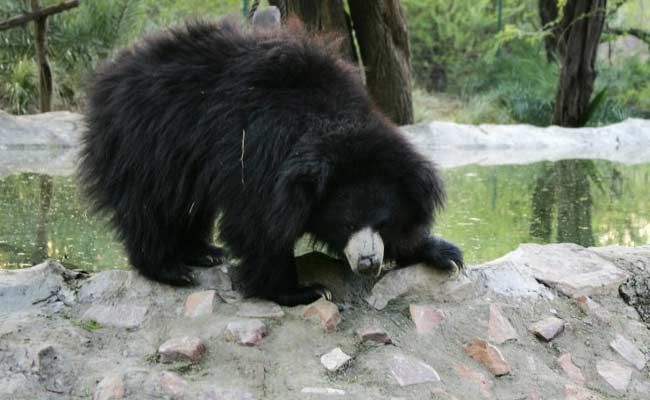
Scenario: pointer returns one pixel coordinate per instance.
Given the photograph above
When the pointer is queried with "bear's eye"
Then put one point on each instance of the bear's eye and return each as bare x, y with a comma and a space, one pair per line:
349, 227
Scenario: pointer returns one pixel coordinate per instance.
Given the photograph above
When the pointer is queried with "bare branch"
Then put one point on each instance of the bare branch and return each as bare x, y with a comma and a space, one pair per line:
41, 13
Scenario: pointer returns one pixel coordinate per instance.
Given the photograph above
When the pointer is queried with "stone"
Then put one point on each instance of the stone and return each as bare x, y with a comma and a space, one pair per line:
110, 387
592, 309
419, 281
323, 391
573, 392
183, 348
569, 268
326, 311
335, 359
121, 315
574, 373
228, 394
374, 334
172, 384
247, 332
108, 287
426, 318
629, 351
506, 278
200, 303
548, 328
44, 283
260, 309
500, 329
635, 291
615, 374
488, 355
410, 371
468, 374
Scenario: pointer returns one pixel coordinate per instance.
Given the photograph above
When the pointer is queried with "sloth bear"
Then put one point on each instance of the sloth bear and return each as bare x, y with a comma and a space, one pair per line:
268, 132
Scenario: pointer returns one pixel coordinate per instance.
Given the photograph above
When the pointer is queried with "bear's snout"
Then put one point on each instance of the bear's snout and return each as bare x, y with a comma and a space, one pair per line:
365, 251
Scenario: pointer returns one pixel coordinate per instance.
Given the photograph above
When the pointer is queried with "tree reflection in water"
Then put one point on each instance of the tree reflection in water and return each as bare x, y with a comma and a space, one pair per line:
564, 189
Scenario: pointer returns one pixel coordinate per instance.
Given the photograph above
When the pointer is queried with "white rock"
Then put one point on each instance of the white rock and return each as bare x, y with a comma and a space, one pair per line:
335, 359
615, 374
184, 348
628, 351
200, 303
323, 391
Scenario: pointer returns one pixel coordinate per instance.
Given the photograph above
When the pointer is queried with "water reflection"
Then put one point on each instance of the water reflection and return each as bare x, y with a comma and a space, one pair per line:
564, 189
490, 211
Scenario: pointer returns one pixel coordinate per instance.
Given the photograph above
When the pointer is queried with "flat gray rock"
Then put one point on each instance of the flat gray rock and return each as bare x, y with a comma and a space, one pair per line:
569, 268
121, 316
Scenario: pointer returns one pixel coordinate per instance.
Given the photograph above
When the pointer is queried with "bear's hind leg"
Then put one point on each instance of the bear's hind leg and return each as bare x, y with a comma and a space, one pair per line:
198, 250
275, 278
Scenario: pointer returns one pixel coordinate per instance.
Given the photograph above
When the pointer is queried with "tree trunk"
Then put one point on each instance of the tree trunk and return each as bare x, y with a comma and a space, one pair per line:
380, 28
548, 13
574, 203
322, 16
580, 29
44, 72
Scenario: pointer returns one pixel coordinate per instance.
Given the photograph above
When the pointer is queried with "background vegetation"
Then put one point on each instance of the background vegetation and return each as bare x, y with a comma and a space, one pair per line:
468, 66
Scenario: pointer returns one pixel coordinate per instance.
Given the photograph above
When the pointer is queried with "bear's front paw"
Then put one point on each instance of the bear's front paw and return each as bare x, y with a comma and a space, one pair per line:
303, 295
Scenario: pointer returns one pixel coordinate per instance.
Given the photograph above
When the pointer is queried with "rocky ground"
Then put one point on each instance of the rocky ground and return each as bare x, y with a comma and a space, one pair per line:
543, 322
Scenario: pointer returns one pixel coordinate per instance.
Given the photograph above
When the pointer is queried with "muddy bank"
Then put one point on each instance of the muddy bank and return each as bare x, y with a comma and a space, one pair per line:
543, 322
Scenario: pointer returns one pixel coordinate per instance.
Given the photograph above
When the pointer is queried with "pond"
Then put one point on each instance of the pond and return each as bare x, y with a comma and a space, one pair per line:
490, 211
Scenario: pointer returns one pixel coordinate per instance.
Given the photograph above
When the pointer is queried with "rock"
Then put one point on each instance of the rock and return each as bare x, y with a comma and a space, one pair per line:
327, 312
247, 332
121, 316
636, 292
592, 309
107, 287
335, 359
110, 388
323, 391
228, 394
426, 318
631, 259
499, 328
374, 334
573, 392
419, 281
410, 371
184, 348
468, 374
615, 374
569, 268
172, 384
629, 351
260, 309
506, 278
200, 303
488, 355
570, 369
42, 284
548, 328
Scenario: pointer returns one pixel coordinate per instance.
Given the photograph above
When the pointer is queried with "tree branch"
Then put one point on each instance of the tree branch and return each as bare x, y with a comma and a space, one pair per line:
41, 13
640, 34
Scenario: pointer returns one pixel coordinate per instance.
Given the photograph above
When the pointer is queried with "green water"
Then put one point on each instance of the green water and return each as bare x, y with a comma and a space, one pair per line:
490, 211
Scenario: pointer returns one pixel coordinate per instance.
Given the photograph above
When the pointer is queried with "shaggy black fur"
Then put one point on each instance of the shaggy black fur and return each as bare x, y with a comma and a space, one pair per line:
269, 131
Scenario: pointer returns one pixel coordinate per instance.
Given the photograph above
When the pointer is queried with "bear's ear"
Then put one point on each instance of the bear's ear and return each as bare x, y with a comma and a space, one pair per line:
301, 183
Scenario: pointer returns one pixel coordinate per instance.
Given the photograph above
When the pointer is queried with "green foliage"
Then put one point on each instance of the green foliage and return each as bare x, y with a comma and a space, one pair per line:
20, 87
450, 40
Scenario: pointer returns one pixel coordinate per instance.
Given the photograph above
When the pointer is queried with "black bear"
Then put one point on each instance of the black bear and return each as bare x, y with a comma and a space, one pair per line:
271, 133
